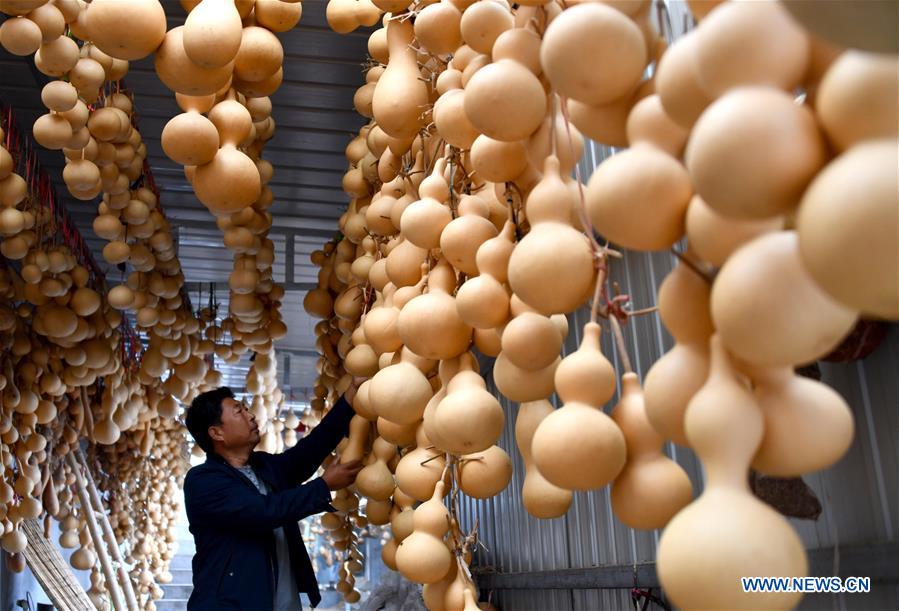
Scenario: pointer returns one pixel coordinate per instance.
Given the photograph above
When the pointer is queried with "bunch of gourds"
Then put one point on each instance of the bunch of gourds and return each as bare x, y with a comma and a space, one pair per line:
61, 336
143, 503
465, 229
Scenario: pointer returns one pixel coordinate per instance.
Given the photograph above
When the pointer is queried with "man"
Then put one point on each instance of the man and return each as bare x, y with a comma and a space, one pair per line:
243, 506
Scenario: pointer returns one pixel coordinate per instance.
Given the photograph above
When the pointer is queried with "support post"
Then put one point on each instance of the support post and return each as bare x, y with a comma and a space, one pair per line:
111, 583
130, 597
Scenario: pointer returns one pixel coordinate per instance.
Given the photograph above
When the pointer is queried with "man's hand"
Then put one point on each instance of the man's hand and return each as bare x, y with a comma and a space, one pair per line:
340, 475
350, 393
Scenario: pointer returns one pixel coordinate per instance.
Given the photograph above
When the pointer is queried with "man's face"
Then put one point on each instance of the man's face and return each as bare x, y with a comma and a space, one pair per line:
238, 428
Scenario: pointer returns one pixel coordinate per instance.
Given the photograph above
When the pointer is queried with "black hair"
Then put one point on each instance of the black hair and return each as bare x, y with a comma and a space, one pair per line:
206, 411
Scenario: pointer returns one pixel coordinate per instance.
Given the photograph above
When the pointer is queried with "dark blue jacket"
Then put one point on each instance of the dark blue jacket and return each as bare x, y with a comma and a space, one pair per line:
235, 565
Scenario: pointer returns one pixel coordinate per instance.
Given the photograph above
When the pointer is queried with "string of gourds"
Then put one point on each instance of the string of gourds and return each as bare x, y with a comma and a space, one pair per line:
71, 372
466, 229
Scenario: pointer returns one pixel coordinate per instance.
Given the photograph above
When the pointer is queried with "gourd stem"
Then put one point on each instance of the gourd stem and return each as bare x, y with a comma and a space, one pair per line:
619, 341
682, 257
598, 290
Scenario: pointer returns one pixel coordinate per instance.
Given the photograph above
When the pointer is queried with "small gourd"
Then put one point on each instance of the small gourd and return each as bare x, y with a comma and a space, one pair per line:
483, 301
414, 476
672, 381
423, 557
808, 425
376, 481
464, 235
485, 474
540, 498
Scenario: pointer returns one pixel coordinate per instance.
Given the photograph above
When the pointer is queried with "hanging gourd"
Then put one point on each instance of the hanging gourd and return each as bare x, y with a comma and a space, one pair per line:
734, 48
437, 27
464, 235
483, 301
638, 198
583, 35
677, 82
375, 480
429, 324
740, 535
713, 236
260, 56
648, 122
759, 327
756, 132
505, 101
418, 471
190, 138
846, 242
231, 181
469, 419
579, 433
423, 557
808, 425
126, 29
672, 381
485, 474
551, 268
854, 99
400, 97
399, 393
423, 221
180, 74
651, 488
212, 33
540, 498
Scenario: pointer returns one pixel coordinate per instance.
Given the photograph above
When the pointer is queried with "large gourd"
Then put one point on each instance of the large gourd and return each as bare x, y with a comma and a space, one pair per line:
727, 533
579, 433
756, 324
231, 181
469, 419
423, 557
400, 97
190, 138
639, 198
551, 268
847, 229
651, 488
429, 324
212, 33
808, 425
584, 35
126, 29
753, 152
418, 471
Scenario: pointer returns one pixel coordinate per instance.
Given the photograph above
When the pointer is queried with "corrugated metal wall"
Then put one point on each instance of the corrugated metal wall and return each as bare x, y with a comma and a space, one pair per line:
860, 494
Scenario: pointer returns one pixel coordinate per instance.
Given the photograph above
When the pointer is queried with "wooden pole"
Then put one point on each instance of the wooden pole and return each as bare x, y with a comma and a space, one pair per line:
111, 584
130, 598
